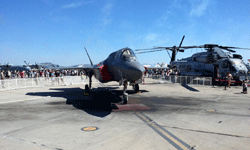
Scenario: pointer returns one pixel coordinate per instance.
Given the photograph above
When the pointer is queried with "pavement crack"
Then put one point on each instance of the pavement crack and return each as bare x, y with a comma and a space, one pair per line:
25, 141
207, 132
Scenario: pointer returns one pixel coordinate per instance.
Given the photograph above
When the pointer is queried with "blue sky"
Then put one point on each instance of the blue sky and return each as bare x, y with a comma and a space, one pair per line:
57, 31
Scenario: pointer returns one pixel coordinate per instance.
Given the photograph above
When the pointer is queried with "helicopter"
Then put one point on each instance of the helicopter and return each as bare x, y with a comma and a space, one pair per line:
215, 62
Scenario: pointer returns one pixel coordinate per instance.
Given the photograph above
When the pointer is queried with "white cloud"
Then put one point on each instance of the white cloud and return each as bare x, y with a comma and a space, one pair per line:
199, 7
72, 5
151, 37
106, 10
75, 5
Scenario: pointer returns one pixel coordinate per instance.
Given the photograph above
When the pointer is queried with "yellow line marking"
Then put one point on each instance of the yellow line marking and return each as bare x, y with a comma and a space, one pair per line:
163, 132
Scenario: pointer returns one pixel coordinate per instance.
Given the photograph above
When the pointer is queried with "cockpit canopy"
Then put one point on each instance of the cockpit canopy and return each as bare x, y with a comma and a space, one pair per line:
128, 54
123, 54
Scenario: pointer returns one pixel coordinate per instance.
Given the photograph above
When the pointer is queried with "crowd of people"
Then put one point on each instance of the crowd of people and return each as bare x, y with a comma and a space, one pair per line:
60, 73
161, 72
48, 73
39, 73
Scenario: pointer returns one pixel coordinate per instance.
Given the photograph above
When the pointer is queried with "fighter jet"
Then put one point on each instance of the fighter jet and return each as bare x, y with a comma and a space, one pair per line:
121, 66
34, 67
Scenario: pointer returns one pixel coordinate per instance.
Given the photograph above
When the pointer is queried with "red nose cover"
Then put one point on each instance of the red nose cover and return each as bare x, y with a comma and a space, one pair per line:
104, 73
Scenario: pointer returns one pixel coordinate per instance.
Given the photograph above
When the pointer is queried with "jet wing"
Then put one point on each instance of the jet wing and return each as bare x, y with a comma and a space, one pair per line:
89, 69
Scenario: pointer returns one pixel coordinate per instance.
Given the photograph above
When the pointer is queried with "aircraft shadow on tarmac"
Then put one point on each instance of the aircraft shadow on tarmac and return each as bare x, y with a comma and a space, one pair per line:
99, 102
189, 88
184, 85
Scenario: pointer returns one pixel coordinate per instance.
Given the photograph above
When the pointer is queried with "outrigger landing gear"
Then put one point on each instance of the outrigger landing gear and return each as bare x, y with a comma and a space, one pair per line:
125, 95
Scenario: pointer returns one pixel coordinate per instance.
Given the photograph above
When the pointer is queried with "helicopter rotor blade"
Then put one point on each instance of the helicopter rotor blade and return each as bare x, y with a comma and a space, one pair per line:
169, 55
144, 49
181, 41
233, 47
228, 49
149, 51
177, 49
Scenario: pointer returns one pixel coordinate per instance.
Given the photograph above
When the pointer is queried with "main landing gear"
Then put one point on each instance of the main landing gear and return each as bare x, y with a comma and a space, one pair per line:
136, 88
87, 88
125, 95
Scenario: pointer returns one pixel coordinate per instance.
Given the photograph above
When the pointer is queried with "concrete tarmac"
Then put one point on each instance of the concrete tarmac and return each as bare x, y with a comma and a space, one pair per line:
163, 116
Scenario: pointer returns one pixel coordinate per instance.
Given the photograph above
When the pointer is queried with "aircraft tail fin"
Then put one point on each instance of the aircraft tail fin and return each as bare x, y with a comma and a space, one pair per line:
88, 56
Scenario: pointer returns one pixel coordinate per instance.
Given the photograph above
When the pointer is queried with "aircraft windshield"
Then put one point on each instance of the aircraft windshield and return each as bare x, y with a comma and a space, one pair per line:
128, 55
236, 61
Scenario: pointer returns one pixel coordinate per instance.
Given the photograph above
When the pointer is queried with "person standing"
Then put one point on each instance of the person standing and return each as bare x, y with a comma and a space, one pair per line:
35, 77
53, 77
229, 78
2, 76
244, 84
21, 74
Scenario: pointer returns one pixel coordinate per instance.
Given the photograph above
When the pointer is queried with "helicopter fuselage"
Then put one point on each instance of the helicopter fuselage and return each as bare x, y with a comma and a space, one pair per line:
215, 63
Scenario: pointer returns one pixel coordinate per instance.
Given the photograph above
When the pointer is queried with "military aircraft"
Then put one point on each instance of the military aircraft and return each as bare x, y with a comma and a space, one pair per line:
34, 67
215, 62
14, 67
121, 66
248, 66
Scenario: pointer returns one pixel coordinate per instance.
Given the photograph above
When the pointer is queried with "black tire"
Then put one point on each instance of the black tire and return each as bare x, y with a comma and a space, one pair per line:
86, 88
124, 101
137, 88
68, 102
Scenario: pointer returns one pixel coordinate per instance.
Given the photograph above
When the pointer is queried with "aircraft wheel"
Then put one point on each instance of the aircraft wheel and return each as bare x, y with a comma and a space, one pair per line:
136, 88
133, 86
86, 89
68, 102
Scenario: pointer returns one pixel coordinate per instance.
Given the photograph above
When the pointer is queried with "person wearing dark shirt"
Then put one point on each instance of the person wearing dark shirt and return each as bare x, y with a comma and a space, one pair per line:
57, 74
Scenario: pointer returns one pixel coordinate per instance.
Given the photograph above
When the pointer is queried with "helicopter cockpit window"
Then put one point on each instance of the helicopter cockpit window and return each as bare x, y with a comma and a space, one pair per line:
128, 55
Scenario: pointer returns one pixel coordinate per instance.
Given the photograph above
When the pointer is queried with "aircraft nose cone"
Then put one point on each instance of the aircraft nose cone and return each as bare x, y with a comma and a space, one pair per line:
138, 71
